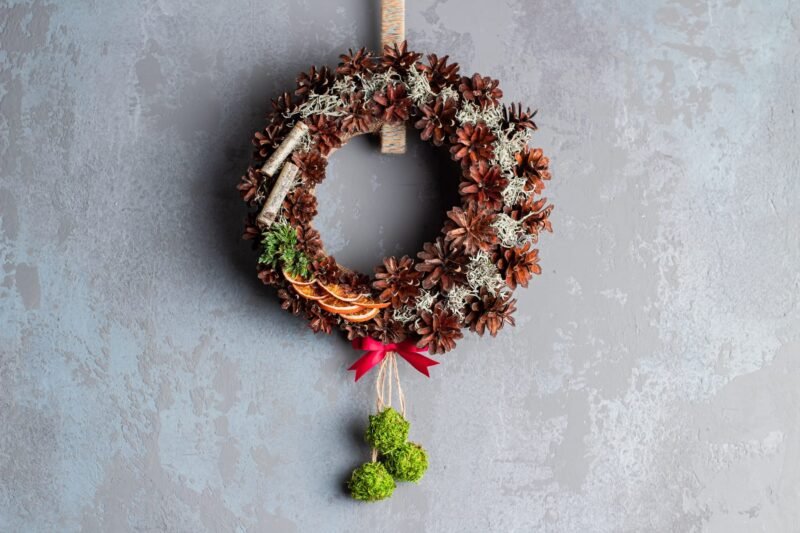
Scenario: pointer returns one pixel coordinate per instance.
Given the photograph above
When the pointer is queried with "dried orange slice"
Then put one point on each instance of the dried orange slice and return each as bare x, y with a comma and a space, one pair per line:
369, 303
337, 291
310, 292
337, 306
363, 316
296, 280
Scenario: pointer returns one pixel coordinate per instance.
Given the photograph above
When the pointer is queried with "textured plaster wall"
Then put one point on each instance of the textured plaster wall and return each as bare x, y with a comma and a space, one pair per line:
149, 383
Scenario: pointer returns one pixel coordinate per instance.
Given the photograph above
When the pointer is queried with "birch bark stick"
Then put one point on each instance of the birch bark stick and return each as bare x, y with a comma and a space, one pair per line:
284, 149
279, 191
393, 31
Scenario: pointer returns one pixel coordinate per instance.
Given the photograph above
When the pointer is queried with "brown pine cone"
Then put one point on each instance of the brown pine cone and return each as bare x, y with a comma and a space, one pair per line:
267, 275
312, 166
290, 300
359, 117
392, 104
470, 228
519, 119
386, 329
533, 165
397, 280
442, 265
518, 265
488, 311
251, 231
326, 269
439, 73
283, 106
319, 320
354, 282
249, 184
438, 330
538, 216
325, 133
300, 206
357, 330
317, 81
483, 184
266, 141
480, 90
359, 62
471, 143
309, 240
398, 57
438, 121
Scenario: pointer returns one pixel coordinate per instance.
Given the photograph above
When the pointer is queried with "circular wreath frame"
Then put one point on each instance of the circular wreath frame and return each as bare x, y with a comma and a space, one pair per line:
466, 277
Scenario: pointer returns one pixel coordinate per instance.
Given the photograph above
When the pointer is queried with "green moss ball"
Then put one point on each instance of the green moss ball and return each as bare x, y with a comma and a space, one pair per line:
407, 463
387, 431
371, 482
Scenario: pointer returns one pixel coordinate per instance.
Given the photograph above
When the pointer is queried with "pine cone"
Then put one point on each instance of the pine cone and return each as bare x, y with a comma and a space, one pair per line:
290, 300
519, 264
439, 73
300, 206
442, 265
386, 329
483, 184
267, 275
251, 231
359, 62
519, 119
470, 228
537, 216
266, 141
358, 118
317, 81
249, 184
354, 282
533, 165
480, 90
284, 106
319, 320
471, 143
392, 104
312, 166
325, 133
398, 58
438, 121
397, 280
326, 269
357, 330
309, 240
438, 329
488, 311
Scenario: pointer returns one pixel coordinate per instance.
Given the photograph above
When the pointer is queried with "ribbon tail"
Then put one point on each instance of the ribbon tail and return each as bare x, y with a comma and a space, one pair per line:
418, 361
366, 362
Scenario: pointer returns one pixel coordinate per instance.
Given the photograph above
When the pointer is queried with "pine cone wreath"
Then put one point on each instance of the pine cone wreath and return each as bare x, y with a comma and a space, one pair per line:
312, 166
249, 184
359, 62
442, 265
439, 73
397, 280
533, 165
438, 329
470, 228
518, 265
398, 58
325, 133
514, 116
471, 143
392, 104
482, 91
316, 81
490, 311
483, 184
300, 206
438, 120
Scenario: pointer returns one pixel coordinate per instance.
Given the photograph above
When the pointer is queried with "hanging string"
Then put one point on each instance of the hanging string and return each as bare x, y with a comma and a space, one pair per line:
387, 373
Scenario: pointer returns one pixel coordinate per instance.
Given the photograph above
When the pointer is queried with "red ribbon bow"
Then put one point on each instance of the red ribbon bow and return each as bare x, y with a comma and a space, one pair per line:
376, 352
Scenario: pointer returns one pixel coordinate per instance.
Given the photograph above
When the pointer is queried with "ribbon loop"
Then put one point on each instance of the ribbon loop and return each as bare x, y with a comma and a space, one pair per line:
376, 352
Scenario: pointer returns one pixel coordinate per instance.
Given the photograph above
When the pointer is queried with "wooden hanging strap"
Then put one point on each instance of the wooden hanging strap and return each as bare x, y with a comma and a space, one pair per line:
393, 31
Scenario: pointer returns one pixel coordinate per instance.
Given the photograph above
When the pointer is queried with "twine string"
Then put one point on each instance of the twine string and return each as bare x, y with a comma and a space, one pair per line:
388, 373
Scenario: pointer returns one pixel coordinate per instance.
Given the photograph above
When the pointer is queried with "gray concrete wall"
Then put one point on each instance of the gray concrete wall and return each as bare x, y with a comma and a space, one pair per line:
149, 383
